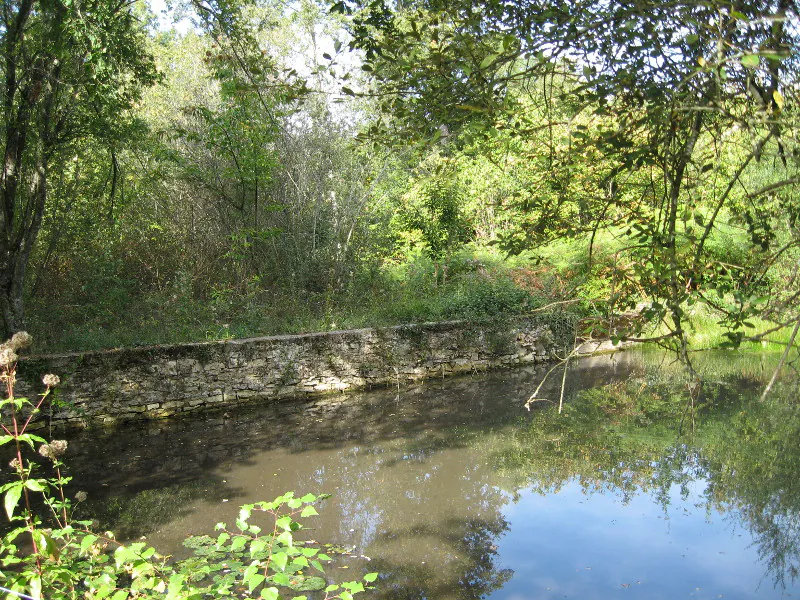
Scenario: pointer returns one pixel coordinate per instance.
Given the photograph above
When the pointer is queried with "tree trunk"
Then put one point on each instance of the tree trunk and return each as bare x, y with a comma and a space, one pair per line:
17, 252
11, 297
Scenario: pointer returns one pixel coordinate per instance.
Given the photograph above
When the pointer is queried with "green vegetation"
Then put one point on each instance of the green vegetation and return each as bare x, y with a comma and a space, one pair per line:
50, 553
281, 168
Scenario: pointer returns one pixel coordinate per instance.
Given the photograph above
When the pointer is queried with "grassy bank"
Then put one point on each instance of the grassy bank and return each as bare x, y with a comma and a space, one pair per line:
476, 283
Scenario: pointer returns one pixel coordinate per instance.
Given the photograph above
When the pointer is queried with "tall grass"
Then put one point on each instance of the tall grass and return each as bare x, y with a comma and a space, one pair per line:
476, 283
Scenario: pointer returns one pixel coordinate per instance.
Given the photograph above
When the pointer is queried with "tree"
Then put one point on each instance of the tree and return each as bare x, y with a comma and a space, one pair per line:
693, 110
70, 71
433, 207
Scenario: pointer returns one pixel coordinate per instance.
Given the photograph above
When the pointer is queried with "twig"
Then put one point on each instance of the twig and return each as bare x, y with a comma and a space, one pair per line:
563, 385
782, 361
552, 304
535, 393
564, 361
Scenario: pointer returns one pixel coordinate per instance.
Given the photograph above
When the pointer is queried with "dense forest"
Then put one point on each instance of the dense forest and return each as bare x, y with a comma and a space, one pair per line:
224, 168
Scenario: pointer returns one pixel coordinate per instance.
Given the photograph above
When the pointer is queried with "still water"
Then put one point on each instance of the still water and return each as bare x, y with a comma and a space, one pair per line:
454, 490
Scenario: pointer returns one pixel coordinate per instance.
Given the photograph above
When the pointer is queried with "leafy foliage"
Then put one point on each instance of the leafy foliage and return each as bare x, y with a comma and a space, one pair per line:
236, 195
662, 112
68, 75
54, 554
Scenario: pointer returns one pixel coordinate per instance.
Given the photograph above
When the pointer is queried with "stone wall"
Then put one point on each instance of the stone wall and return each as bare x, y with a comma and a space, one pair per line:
145, 383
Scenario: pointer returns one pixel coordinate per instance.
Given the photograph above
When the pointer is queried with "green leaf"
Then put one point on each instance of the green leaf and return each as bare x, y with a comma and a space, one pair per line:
12, 499
257, 546
309, 511
34, 485
270, 593
279, 560
244, 513
36, 586
354, 586
284, 523
175, 586
87, 542
256, 580
370, 577
488, 60
301, 562
751, 61
238, 543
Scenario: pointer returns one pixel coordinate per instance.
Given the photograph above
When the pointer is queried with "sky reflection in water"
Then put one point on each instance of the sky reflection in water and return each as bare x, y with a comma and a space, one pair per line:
455, 491
570, 545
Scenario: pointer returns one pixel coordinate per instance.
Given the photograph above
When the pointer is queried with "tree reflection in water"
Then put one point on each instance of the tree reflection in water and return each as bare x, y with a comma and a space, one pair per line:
622, 438
422, 482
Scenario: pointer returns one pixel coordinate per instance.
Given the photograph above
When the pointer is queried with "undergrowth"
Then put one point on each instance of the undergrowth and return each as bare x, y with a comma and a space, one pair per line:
49, 552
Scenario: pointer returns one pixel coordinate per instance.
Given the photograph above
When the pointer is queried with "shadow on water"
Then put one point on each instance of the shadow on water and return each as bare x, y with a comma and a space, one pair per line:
439, 484
191, 455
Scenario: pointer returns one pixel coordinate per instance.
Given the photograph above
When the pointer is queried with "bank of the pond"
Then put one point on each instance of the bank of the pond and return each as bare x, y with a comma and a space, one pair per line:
159, 381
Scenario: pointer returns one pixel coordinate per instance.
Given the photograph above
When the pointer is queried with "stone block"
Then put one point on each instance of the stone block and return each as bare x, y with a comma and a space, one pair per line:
186, 366
170, 368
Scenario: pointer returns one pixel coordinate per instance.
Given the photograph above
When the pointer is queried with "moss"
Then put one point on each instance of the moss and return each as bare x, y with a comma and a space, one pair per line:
289, 375
384, 346
500, 342
322, 345
414, 334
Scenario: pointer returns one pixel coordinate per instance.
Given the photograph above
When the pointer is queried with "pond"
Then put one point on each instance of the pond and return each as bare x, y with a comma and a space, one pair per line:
455, 490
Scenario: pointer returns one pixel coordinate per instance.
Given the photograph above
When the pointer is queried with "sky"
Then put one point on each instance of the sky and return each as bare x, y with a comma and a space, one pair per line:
165, 18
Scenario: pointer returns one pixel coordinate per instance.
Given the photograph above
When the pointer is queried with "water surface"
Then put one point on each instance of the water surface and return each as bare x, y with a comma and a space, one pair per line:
454, 490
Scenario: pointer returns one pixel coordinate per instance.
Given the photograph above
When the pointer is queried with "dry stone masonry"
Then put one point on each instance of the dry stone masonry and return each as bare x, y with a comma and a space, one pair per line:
146, 383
